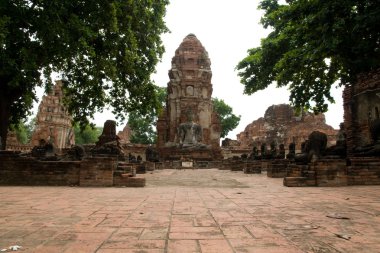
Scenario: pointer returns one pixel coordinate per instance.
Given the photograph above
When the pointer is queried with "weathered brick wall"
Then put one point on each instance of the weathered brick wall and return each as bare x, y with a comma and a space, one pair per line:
361, 106
364, 171
127, 181
18, 170
97, 171
15, 170
282, 126
330, 172
278, 168
252, 167
176, 154
135, 150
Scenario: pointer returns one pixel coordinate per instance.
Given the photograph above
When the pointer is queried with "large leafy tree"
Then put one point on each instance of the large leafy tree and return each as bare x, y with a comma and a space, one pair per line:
87, 135
228, 120
143, 126
106, 49
312, 45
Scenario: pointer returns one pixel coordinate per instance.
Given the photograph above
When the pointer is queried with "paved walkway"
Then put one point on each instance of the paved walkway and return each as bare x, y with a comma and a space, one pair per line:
192, 211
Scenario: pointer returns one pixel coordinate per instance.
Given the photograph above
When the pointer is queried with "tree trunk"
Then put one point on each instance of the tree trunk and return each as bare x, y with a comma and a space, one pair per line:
4, 119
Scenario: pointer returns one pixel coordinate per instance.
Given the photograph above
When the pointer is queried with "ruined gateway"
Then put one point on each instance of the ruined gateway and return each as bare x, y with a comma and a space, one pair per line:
189, 128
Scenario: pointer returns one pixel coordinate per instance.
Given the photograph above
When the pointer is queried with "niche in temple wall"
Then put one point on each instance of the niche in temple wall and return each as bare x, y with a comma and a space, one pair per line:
366, 109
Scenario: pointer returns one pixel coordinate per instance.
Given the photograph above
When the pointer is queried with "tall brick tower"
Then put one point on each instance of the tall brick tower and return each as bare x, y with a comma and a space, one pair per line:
189, 100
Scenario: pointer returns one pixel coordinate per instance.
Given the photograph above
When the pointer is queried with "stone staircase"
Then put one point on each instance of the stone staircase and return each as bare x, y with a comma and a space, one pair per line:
125, 175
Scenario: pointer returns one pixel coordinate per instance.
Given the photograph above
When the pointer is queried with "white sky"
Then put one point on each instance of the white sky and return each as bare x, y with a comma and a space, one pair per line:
227, 31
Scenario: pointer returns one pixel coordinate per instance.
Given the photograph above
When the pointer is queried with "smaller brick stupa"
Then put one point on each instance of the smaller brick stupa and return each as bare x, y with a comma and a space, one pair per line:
53, 122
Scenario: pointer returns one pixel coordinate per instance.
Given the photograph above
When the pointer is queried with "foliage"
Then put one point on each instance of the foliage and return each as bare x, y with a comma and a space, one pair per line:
106, 50
24, 130
88, 135
228, 120
143, 126
312, 45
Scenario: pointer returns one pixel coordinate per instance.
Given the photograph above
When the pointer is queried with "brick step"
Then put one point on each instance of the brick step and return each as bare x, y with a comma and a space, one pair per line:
125, 163
252, 170
124, 166
295, 181
127, 181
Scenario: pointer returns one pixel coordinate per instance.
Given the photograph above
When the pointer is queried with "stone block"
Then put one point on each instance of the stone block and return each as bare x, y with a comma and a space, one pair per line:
97, 171
129, 181
295, 181
253, 167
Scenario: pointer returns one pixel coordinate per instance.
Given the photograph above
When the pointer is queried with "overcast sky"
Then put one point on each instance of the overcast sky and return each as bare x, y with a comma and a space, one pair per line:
227, 30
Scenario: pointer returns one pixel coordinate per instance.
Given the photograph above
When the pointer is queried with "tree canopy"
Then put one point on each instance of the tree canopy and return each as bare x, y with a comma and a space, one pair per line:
106, 49
228, 120
87, 135
312, 45
24, 130
143, 125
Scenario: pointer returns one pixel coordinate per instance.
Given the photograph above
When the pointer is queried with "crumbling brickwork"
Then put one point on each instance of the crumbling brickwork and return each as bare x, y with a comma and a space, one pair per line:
189, 102
53, 123
361, 103
282, 126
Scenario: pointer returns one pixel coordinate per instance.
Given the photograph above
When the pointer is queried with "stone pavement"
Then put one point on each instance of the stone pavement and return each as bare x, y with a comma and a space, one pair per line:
192, 211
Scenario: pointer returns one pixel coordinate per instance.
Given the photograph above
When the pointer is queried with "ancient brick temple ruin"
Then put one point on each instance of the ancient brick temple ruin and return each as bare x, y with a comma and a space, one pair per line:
189, 128
281, 126
359, 139
125, 135
53, 123
362, 113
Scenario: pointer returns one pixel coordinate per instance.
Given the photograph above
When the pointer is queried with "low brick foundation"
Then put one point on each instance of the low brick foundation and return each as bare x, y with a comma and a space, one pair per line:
265, 164
252, 167
364, 171
335, 172
18, 170
97, 171
92, 171
127, 181
330, 172
277, 168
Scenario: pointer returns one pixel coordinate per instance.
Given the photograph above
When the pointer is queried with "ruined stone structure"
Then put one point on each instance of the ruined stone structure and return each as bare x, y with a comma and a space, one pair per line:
108, 142
189, 127
361, 103
14, 144
281, 126
125, 135
356, 157
53, 122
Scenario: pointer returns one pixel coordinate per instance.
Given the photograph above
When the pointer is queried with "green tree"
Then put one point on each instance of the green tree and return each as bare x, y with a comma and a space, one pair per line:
106, 49
312, 45
24, 130
228, 120
143, 126
88, 135
21, 132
